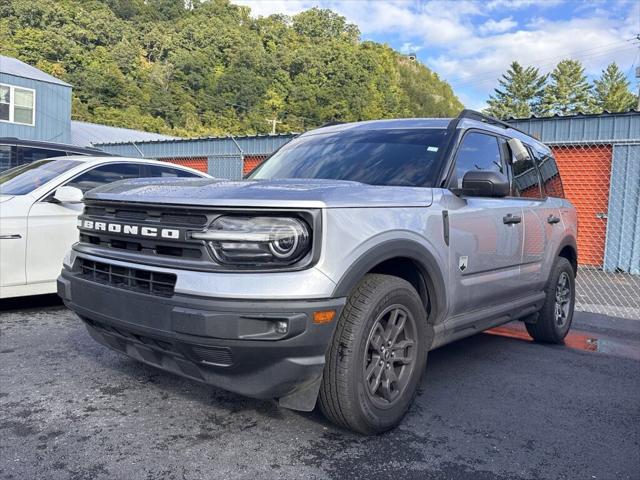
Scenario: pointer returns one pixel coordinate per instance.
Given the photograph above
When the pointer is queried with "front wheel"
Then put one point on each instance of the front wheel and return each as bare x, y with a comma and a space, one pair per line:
555, 317
377, 356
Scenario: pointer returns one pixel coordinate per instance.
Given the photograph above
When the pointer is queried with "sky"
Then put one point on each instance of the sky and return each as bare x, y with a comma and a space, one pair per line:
471, 43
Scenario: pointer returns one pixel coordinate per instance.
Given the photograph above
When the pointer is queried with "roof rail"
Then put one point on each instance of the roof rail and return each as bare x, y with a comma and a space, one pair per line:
481, 117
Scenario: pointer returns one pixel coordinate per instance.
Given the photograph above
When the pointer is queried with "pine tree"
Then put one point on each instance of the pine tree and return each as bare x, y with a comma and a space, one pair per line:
611, 91
568, 91
519, 93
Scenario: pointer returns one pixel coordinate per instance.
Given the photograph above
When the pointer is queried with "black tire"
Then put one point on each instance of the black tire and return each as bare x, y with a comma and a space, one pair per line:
549, 328
345, 396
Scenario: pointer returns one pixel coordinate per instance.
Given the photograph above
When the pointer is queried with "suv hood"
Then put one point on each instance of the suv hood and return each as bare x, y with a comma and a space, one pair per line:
289, 193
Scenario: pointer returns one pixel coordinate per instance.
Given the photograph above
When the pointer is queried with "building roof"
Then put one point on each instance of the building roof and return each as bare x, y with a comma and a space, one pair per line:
206, 138
17, 68
90, 134
613, 128
605, 113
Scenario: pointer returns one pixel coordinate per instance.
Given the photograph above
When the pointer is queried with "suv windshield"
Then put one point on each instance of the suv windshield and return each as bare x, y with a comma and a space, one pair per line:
405, 157
26, 178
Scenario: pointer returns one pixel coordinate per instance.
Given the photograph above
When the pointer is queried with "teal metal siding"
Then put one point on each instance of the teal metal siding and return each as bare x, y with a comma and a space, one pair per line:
53, 111
622, 250
605, 128
200, 147
225, 166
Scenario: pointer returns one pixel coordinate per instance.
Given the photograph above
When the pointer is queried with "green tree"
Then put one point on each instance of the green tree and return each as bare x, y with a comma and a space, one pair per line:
611, 91
201, 67
519, 93
568, 91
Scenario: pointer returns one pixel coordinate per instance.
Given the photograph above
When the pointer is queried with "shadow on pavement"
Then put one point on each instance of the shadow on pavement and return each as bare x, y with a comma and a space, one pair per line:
30, 302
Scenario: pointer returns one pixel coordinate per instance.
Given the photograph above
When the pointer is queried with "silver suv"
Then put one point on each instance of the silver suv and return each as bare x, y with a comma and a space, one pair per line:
329, 275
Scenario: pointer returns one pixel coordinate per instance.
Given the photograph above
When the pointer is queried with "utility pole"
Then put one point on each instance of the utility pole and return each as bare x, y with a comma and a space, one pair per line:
273, 121
638, 76
638, 80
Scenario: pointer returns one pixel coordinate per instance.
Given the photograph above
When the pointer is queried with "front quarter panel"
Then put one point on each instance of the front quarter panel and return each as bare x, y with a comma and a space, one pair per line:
367, 236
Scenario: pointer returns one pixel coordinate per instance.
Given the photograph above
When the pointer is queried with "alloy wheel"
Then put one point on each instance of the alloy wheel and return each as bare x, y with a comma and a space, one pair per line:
390, 355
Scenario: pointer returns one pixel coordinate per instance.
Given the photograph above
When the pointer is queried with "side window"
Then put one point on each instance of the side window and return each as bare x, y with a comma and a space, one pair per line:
31, 154
526, 182
105, 174
551, 182
157, 171
478, 151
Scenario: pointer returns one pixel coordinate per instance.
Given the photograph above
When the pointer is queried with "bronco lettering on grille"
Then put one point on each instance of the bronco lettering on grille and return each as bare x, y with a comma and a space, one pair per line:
134, 230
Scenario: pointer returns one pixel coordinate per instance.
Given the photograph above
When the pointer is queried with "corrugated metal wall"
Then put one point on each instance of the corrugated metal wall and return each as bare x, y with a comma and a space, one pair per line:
623, 232
226, 166
53, 112
199, 147
604, 128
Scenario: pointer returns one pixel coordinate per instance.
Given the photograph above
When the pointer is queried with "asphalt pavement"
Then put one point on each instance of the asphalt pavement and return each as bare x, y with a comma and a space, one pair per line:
494, 406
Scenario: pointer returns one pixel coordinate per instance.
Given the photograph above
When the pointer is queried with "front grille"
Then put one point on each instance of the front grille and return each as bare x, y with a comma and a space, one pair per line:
141, 281
178, 217
161, 248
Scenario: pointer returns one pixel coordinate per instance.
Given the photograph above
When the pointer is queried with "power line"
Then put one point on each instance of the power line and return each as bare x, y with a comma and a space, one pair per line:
608, 46
482, 78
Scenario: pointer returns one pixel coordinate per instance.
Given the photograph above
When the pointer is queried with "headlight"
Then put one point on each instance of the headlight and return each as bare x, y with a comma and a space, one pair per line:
257, 241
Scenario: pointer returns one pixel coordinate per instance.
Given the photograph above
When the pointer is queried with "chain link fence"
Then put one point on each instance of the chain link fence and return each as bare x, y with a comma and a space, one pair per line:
198, 163
603, 183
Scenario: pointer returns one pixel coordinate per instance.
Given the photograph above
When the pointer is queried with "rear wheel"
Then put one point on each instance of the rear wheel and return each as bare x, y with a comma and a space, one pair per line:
555, 317
377, 356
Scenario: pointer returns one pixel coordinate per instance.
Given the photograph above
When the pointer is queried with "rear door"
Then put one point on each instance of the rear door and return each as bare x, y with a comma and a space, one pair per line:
486, 234
53, 226
537, 183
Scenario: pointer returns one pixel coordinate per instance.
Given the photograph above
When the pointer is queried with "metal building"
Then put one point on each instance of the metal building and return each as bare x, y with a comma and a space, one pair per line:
222, 157
33, 104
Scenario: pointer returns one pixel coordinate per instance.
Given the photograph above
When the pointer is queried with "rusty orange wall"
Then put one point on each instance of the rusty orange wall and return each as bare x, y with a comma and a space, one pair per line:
251, 162
198, 163
586, 174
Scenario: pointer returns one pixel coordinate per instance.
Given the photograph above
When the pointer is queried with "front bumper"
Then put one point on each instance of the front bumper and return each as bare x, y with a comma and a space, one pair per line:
232, 344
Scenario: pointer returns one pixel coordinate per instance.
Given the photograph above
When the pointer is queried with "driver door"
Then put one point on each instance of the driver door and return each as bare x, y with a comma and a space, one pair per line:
486, 234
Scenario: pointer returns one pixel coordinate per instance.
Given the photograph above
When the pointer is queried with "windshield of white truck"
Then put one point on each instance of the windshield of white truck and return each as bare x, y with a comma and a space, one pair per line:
404, 157
26, 178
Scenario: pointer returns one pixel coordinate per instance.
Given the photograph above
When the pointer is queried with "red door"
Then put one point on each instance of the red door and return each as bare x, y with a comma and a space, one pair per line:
586, 175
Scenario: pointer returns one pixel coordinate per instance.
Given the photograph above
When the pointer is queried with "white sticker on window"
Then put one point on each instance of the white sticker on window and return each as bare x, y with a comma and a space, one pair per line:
432, 149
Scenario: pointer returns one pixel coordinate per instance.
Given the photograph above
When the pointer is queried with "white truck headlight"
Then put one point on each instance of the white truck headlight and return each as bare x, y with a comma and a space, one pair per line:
257, 241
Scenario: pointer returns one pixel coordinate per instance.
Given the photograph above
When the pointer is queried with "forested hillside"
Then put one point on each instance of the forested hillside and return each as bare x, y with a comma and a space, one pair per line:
210, 68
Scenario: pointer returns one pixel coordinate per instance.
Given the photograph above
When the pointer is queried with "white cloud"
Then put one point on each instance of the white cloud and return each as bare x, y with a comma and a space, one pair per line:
471, 43
408, 47
500, 26
518, 4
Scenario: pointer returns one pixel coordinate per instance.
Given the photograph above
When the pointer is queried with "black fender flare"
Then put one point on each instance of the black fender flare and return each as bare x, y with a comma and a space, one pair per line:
568, 241
386, 250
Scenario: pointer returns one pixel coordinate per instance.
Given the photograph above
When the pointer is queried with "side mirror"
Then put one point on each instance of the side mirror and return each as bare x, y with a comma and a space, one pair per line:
520, 152
68, 195
485, 183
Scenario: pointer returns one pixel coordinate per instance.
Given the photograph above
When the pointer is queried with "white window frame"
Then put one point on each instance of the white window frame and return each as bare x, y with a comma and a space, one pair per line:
12, 104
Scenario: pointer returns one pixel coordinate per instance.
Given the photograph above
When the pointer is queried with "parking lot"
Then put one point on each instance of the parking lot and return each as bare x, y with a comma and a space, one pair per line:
494, 406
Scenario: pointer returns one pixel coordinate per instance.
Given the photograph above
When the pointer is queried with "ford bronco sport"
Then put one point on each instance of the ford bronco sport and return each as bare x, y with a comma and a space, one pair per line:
331, 272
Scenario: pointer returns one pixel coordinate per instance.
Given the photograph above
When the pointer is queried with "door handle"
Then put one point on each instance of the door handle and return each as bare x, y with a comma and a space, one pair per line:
553, 219
510, 219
